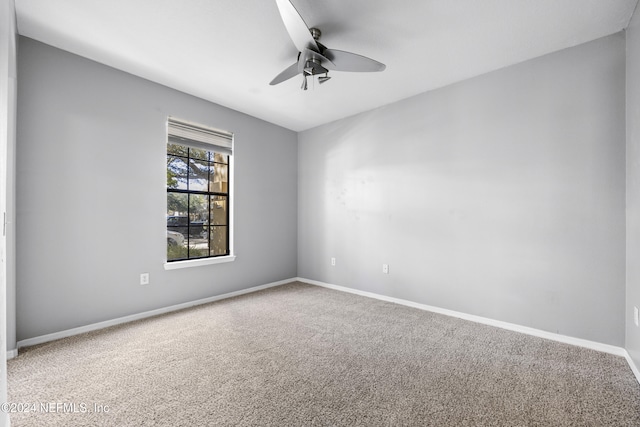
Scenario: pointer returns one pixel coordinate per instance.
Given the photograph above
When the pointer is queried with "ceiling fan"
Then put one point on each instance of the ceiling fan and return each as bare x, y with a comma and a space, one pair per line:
315, 59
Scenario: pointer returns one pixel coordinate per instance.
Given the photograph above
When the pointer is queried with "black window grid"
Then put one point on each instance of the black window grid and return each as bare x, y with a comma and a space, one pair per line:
210, 162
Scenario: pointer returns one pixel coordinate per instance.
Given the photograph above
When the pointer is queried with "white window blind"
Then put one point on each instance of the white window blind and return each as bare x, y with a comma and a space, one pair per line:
198, 136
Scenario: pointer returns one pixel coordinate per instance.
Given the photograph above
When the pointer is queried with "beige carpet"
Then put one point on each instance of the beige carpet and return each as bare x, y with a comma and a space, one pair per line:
300, 355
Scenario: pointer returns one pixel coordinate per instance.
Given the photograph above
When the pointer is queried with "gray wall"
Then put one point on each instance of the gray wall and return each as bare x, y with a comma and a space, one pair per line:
633, 187
91, 195
8, 85
502, 196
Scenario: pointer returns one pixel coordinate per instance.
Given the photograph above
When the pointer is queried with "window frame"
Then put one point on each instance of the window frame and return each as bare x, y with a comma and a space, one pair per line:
226, 150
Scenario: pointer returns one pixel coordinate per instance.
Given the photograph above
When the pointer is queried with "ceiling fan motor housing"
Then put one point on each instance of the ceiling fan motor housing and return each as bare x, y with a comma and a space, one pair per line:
315, 33
313, 67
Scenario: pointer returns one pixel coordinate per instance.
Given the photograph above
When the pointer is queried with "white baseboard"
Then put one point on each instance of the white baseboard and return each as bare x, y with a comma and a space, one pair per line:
593, 345
101, 325
632, 365
12, 353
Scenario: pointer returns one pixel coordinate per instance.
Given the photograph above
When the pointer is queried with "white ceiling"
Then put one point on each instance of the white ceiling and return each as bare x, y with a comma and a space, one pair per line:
227, 51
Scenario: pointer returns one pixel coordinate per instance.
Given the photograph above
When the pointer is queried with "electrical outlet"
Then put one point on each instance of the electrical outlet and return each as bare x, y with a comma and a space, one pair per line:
635, 316
385, 268
333, 262
144, 278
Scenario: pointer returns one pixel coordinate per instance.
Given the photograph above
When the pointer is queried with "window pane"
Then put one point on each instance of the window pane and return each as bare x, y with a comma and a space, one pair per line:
177, 150
218, 240
176, 173
177, 226
220, 158
218, 210
198, 242
196, 153
198, 175
219, 179
198, 211
174, 225
176, 245
177, 206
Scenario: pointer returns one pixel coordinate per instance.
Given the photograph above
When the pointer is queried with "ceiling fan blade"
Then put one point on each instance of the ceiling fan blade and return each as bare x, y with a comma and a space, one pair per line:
286, 74
298, 30
347, 61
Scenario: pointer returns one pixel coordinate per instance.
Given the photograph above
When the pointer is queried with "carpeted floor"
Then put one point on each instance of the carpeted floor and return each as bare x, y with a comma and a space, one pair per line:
301, 355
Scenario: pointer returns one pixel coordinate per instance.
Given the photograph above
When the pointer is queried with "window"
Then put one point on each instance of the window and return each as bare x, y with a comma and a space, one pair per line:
198, 178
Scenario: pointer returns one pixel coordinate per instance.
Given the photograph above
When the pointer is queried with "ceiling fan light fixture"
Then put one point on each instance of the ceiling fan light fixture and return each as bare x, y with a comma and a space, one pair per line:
323, 79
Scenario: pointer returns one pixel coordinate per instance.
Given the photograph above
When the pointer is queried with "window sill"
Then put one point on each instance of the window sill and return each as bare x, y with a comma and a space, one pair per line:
198, 262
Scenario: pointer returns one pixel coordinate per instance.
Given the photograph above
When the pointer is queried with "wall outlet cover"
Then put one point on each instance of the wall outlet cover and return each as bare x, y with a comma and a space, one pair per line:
144, 278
